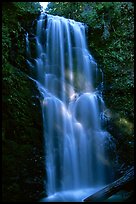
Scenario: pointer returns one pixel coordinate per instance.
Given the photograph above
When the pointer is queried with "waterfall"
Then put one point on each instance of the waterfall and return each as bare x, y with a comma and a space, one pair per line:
66, 74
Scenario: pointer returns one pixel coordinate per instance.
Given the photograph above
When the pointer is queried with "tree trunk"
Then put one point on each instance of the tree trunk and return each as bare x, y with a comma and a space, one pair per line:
125, 183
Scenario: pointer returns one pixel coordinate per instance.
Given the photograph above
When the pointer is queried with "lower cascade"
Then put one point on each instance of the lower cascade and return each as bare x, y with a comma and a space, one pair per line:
76, 157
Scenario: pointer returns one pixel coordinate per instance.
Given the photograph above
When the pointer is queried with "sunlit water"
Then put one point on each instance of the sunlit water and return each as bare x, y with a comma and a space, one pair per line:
76, 162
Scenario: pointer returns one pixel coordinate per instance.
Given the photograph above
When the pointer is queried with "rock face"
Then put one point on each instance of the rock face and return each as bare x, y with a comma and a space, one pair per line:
22, 145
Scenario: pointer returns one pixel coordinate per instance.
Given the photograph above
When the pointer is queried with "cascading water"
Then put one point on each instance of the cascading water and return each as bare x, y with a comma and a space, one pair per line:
75, 157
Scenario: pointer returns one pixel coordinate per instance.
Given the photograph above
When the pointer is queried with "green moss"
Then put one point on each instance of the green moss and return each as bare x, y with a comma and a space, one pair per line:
22, 132
22, 153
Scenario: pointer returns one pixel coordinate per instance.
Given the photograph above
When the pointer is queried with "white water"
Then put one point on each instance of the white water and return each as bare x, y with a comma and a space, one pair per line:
75, 159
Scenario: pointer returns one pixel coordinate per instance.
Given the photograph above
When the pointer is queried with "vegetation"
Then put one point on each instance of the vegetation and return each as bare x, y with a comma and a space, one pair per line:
22, 152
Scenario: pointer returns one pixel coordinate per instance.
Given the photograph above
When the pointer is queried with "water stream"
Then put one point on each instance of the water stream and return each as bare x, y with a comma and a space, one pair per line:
76, 162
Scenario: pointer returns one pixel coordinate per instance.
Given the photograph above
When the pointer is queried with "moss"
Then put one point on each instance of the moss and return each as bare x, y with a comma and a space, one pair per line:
22, 158
22, 130
122, 130
17, 19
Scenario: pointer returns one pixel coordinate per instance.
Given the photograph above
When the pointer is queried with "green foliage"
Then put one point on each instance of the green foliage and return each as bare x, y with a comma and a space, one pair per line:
17, 18
32, 7
22, 154
66, 9
22, 132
